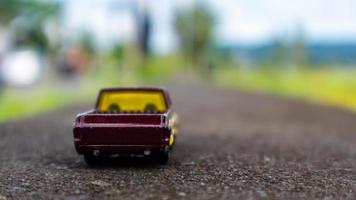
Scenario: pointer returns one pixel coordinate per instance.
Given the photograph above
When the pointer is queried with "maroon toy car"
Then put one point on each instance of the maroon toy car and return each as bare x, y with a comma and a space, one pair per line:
127, 122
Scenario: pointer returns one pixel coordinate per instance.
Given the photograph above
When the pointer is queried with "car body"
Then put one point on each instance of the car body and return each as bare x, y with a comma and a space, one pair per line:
136, 121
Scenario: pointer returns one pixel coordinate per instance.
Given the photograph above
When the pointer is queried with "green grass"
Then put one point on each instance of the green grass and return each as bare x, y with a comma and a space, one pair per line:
335, 86
160, 68
18, 102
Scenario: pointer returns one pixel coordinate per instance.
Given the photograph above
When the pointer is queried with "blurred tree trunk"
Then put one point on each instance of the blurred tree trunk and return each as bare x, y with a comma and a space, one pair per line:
144, 26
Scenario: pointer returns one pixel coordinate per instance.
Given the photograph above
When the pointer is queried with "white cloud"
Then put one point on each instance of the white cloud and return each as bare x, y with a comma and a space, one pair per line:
256, 20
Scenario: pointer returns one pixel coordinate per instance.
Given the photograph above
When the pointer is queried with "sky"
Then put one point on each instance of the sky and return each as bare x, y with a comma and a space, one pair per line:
238, 22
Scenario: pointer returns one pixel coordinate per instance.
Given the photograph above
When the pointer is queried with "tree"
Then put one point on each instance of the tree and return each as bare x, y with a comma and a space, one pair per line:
299, 51
195, 28
87, 43
299, 48
278, 55
27, 18
33, 10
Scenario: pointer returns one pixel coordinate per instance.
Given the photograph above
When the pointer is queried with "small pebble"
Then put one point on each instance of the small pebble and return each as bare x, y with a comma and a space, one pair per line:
189, 163
100, 183
182, 194
261, 193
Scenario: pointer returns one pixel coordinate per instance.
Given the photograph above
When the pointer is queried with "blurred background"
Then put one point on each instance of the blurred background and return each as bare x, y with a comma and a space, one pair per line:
59, 52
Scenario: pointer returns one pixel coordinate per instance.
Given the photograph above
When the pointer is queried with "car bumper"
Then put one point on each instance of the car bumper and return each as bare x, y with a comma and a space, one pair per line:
120, 149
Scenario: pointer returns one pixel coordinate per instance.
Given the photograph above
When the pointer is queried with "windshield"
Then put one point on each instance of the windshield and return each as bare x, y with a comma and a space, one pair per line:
134, 100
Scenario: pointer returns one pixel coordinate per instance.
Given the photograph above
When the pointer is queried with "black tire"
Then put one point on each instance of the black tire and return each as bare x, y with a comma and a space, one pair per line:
92, 160
162, 158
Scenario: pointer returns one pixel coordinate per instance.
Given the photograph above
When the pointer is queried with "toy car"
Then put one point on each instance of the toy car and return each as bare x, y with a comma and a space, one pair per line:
127, 122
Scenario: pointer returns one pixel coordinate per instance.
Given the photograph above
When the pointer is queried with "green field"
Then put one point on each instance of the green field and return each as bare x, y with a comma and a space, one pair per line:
336, 86
20, 102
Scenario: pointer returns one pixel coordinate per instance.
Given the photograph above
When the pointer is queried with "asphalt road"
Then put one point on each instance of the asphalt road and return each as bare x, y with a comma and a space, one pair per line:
233, 145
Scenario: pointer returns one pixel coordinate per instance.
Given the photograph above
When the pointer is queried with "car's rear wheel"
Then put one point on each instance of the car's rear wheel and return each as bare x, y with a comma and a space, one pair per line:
162, 157
92, 160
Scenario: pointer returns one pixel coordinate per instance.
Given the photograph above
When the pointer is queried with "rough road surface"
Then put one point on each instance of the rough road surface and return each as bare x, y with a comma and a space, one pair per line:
233, 145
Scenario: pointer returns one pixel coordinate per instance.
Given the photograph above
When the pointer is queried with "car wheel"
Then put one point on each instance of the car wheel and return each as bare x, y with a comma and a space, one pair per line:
92, 160
162, 157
